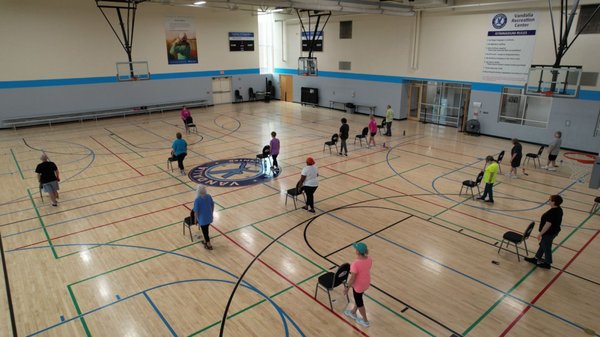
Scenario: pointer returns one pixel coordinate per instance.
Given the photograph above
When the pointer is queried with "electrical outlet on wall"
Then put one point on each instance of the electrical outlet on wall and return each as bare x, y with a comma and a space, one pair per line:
567, 123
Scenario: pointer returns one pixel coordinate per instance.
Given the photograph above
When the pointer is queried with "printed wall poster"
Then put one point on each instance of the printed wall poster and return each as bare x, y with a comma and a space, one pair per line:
241, 41
181, 40
509, 47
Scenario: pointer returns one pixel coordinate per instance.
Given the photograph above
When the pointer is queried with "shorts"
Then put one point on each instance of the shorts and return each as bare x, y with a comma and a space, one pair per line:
50, 187
358, 299
373, 134
552, 157
516, 162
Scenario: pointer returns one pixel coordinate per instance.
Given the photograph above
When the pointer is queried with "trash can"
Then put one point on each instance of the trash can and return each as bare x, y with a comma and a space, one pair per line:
350, 107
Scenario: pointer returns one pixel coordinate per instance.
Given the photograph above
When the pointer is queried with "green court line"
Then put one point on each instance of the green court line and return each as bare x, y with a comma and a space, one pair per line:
125, 146
81, 319
402, 317
488, 311
16, 162
184, 183
42, 224
449, 208
121, 239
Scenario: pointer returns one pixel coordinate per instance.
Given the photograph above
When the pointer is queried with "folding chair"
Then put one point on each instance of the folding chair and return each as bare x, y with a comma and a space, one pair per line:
595, 207
500, 157
294, 193
517, 238
189, 222
382, 126
170, 161
331, 280
332, 142
189, 122
469, 184
534, 156
265, 156
362, 136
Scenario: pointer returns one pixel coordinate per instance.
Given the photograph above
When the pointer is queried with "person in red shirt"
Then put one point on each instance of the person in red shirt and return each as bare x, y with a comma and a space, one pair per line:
360, 279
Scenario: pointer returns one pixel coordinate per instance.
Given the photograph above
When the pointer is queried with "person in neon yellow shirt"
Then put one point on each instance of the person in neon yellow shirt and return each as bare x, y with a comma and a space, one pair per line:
489, 178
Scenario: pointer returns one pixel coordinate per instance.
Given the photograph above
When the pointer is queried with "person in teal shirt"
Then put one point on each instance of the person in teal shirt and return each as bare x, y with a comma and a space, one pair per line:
489, 178
179, 151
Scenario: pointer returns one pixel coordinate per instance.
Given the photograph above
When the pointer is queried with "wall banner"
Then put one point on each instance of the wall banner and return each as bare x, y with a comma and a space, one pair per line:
181, 40
509, 47
241, 41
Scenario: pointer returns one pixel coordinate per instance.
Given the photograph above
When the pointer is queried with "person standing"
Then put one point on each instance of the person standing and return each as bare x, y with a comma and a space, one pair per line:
372, 131
186, 117
48, 177
309, 182
516, 153
389, 117
359, 281
274, 149
344, 134
204, 207
489, 178
179, 151
549, 229
553, 150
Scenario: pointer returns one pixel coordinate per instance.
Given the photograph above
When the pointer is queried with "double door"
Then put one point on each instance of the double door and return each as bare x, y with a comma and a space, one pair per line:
438, 102
221, 90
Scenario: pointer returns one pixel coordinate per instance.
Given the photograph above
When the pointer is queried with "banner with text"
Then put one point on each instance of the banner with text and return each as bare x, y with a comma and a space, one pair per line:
181, 40
509, 47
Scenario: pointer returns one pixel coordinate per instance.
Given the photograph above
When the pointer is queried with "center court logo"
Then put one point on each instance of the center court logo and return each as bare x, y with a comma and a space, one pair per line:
230, 173
499, 21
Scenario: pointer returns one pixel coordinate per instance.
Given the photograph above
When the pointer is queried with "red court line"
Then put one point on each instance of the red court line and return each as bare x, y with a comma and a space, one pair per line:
289, 281
100, 226
538, 296
116, 155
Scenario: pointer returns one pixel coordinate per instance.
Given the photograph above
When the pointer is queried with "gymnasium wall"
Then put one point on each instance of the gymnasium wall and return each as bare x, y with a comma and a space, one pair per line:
59, 57
451, 48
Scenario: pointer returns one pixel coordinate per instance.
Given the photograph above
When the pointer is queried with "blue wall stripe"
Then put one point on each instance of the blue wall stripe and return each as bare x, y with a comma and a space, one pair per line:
478, 86
113, 79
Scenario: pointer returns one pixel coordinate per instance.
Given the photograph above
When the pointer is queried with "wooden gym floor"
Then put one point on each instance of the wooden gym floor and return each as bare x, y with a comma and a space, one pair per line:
111, 259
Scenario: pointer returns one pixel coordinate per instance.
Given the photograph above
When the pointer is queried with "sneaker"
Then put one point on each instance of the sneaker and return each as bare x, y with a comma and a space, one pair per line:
349, 313
508, 174
544, 265
480, 198
340, 153
544, 167
312, 210
362, 322
54, 205
553, 168
490, 201
531, 260
346, 154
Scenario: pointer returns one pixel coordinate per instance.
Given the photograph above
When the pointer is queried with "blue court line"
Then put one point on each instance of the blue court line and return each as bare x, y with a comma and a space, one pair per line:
162, 318
246, 284
453, 269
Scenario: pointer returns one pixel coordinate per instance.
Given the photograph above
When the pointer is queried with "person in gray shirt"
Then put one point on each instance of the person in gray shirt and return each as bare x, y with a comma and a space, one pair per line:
553, 150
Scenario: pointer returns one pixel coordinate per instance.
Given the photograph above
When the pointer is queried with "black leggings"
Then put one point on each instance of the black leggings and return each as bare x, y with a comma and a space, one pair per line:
205, 233
310, 192
358, 299
180, 158
274, 156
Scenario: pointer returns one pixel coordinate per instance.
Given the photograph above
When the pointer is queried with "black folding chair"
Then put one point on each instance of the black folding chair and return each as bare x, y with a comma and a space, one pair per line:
535, 156
264, 156
517, 238
294, 193
331, 280
469, 184
189, 222
332, 142
500, 157
362, 136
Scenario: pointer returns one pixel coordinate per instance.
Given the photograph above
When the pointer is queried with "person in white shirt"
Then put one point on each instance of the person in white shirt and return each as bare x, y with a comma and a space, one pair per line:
309, 181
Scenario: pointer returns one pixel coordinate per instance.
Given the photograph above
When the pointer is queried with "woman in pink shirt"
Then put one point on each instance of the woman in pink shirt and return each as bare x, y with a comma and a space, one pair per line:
372, 131
360, 279
186, 117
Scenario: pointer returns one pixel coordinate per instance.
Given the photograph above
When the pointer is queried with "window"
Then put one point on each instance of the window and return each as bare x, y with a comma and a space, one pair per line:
265, 43
517, 108
345, 29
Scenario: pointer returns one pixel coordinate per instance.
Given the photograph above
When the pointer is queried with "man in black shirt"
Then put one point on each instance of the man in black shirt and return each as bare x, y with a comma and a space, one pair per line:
48, 177
549, 228
344, 131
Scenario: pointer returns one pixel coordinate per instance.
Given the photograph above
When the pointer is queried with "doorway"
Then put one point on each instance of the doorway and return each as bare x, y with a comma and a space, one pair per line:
414, 93
439, 103
286, 88
221, 89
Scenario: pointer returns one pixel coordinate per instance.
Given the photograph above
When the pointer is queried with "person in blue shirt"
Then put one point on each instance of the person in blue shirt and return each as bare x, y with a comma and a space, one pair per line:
179, 151
204, 206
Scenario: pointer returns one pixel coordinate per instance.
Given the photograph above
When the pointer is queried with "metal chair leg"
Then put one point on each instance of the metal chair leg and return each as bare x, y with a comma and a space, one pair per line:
499, 248
330, 303
526, 250
518, 256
